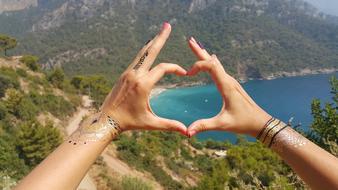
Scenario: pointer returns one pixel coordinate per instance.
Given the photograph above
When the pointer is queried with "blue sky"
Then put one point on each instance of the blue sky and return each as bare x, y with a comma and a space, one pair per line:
326, 6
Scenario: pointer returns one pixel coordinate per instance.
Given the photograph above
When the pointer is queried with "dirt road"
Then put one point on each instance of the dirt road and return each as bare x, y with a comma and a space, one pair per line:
113, 162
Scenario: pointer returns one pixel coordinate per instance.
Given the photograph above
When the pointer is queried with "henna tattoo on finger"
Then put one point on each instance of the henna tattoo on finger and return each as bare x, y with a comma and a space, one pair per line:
141, 61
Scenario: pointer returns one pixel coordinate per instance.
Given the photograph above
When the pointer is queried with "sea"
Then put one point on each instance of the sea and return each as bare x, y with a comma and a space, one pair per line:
288, 99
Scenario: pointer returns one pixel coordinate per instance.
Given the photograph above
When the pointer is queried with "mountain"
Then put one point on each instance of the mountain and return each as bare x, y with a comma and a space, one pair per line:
10, 5
253, 38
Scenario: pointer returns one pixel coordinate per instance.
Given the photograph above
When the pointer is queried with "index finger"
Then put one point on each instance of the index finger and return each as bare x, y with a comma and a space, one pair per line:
198, 49
155, 48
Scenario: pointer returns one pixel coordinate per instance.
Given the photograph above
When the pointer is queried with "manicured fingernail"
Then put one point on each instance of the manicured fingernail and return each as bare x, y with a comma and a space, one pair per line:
165, 25
192, 39
147, 42
201, 45
192, 133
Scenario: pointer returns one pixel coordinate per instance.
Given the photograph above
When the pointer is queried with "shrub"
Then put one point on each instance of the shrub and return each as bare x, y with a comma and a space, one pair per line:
7, 82
131, 183
31, 62
57, 77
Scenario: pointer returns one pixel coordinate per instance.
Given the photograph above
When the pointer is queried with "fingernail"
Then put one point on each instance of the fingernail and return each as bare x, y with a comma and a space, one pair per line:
192, 39
192, 133
201, 45
165, 25
147, 42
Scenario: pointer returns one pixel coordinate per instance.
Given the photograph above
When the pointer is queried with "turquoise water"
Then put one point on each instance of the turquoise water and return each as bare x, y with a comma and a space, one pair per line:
283, 98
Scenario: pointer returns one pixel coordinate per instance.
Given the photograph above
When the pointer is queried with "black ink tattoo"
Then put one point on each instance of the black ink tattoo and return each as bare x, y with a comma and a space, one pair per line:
141, 61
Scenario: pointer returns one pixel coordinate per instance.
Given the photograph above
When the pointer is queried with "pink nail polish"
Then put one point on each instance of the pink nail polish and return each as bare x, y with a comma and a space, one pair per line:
192, 39
165, 25
192, 133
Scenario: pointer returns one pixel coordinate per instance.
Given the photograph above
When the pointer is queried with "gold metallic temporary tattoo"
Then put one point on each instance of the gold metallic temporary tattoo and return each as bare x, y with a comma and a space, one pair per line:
264, 127
267, 129
140, 62
288, 138
99, 127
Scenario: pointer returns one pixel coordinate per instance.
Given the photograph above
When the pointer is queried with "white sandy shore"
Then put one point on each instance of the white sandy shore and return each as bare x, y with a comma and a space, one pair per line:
160, 89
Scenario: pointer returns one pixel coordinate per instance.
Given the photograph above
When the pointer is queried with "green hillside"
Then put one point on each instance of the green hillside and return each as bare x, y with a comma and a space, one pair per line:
254, 39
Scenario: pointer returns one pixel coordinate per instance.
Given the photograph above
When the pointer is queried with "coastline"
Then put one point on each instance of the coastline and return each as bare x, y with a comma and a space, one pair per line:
305, 72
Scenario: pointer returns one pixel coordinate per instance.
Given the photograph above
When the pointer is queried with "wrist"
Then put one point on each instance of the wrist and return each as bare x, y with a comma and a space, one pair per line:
97, 127
259, 123
117, 117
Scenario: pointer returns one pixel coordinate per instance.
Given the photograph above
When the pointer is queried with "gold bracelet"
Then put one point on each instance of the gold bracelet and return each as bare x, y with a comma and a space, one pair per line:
268, 128
99, 127
273, 131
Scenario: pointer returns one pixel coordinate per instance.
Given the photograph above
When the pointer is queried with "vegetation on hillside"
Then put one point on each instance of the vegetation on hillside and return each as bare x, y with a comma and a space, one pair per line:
253, 39
164, 155
25, 138
247, 165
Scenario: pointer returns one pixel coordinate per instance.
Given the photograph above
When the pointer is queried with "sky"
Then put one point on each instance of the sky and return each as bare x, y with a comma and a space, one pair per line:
326, 6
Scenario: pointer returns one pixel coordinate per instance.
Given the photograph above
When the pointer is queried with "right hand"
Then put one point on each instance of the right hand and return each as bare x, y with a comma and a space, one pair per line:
239, 114
128, 102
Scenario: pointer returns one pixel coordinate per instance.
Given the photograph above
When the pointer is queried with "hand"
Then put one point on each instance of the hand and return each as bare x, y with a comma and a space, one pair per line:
128, 102
239, 114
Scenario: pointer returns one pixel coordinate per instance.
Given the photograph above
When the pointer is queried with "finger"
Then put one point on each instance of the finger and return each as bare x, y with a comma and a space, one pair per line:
214, 67
169, 125
198, 49
161, 69
158, 43
140, 54
203, 125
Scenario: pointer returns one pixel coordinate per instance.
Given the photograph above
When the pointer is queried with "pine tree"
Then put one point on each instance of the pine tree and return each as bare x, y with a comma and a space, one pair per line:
7, 43
325, 120
35, 142
10, 163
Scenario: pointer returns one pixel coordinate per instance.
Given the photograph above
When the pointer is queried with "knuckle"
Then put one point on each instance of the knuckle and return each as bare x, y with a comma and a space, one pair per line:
153, 50
162, 65
128, 77
203, 126
212, 65
140, 86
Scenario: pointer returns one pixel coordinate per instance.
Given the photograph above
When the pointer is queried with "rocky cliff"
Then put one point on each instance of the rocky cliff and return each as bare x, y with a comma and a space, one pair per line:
15, 5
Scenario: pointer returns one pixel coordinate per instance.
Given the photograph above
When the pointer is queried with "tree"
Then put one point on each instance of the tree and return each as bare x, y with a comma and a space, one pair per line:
325, 120
57, 77
10, 163
7, 43
35, 142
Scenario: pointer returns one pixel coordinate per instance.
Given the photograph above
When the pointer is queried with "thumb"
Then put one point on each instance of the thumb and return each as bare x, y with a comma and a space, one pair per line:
170, 125
203, 125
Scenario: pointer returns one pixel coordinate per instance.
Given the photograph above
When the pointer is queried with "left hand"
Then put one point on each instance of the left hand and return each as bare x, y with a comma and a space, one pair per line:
128, 102
239, 113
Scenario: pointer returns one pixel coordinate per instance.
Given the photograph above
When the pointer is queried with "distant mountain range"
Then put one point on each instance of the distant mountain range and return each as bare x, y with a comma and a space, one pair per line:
253, 38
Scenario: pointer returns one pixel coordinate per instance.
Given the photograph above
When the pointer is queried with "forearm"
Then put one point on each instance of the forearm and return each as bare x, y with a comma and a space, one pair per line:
315, 166
68, 164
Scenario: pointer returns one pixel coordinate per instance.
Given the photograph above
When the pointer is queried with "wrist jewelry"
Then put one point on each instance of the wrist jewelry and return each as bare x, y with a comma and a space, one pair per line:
287, 138
266, 124
278, 135
99, 127
268, 128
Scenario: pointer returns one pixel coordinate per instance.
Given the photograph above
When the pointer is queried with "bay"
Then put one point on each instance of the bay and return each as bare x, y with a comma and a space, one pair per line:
284, 98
